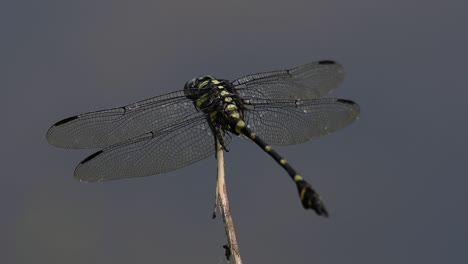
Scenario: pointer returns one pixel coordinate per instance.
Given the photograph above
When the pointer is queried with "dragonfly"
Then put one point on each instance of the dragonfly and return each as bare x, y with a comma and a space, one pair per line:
170, 131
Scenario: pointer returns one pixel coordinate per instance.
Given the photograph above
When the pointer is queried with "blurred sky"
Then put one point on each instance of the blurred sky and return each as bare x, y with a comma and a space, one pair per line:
394, 182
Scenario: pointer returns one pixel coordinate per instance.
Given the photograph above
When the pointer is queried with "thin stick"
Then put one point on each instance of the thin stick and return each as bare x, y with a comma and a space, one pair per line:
232, 247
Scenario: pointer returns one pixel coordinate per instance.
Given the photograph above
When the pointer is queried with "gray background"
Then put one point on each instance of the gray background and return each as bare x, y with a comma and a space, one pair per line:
395, 181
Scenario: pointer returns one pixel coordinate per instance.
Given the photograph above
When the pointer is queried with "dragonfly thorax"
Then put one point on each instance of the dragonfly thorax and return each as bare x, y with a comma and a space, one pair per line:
217, 98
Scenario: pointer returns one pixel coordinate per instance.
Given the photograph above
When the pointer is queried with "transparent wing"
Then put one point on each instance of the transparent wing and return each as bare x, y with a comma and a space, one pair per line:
151, 153
287, 122
309, 81
107, 127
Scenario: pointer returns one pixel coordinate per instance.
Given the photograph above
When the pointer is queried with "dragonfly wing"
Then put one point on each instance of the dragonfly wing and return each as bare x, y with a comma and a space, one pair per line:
287, 122
107, 127
312, 80
152, 153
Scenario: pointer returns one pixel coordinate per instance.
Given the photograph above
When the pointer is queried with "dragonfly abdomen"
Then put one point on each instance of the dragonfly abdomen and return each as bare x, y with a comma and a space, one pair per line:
309, 197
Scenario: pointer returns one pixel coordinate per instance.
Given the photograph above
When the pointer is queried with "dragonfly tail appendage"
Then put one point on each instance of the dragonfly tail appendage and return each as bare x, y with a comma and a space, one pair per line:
310, 198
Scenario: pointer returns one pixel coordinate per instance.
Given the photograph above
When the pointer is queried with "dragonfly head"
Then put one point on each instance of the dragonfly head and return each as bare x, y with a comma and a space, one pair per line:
198, 82
193, 87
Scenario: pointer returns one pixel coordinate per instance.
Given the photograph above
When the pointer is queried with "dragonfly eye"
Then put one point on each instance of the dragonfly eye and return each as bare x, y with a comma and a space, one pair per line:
190, 84
193, 87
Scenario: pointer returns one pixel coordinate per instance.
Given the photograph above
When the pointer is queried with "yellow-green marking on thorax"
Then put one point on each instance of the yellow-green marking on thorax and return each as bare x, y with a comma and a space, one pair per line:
201, 100
213, 115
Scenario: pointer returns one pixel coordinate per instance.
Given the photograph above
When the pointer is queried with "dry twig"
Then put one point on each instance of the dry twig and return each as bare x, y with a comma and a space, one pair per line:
232, 248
